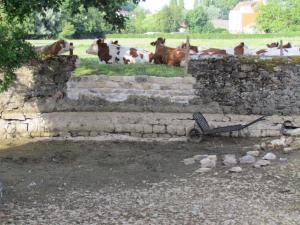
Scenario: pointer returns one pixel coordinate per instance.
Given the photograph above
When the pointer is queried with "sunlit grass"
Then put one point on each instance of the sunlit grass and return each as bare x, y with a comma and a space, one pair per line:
91, 66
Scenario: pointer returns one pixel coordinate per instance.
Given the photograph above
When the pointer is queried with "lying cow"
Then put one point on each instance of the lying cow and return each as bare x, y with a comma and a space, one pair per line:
275, 50
239, 50
114, 53
57, 48
166, 55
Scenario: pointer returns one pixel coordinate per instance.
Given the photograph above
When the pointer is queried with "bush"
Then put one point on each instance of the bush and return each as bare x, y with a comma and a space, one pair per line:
15, 51
68, 30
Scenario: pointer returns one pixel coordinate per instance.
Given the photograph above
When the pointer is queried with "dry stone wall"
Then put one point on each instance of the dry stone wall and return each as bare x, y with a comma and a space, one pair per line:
47, 100
248, 85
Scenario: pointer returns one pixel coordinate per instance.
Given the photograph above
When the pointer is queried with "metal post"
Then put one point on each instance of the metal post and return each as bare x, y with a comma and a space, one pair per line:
71, 48
281, 50
187, 55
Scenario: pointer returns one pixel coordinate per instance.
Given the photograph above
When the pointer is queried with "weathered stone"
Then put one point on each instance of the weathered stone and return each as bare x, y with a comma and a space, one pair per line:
236, 169
209, 162
270, 156
189, 161
253, 153
159, 129
199, 157
229, 160
202, 170
247, 159
261, 163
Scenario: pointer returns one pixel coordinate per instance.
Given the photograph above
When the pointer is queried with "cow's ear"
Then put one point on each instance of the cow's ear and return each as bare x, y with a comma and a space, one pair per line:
164, 40
153, 43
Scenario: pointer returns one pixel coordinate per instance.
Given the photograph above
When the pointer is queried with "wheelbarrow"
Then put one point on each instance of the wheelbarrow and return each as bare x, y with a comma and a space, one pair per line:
201, 128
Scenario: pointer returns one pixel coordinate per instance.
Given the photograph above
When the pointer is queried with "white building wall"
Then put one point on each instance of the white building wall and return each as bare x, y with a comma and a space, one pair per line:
235, 22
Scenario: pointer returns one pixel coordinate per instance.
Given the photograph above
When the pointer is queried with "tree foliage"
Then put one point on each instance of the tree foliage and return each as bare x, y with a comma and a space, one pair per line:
279, 16
198, 20
16, 14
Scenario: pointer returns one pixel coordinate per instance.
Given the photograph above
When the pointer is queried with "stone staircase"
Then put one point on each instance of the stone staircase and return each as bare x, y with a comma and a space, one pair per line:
120, 88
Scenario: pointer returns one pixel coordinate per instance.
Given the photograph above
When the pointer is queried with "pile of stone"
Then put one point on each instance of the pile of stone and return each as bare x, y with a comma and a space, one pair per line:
262, 155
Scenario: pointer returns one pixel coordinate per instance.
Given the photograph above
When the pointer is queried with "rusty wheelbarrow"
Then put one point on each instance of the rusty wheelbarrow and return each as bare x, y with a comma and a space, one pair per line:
201, 128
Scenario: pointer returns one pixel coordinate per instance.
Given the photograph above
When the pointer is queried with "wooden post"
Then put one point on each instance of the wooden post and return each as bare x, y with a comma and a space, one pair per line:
281, 50
187, 55
71, 48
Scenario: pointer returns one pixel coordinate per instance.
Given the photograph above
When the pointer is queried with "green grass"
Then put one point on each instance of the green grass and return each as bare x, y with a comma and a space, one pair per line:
220, 35
90, 65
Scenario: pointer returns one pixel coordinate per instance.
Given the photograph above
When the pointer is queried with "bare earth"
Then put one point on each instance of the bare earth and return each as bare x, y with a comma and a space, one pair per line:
64, 182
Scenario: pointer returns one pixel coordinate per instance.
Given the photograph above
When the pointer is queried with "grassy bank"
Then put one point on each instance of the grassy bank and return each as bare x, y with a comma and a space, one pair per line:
89, 67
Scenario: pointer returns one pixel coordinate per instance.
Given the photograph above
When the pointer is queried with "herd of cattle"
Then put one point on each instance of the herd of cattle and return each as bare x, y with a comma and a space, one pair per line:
110, 53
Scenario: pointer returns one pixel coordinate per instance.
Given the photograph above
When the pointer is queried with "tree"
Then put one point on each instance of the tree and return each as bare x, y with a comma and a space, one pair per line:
279, 16
198, 20
181, 4
14, 50
169, 18
225, 6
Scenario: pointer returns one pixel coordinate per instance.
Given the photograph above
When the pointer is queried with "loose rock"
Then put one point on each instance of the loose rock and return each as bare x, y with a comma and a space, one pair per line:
253, 153
235, 169
229, 160
199, 157
270, 156
189, 161
209, 162
261, 163
202, 170
247, 159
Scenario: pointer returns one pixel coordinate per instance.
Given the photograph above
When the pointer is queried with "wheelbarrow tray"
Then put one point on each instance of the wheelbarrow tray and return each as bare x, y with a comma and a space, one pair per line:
206, 130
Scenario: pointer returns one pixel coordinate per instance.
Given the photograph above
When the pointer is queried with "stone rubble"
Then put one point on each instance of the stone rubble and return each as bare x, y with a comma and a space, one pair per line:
247, 159
270, 156
229, 160
262, 163
189, 161
253, 153
235, 169
209, 162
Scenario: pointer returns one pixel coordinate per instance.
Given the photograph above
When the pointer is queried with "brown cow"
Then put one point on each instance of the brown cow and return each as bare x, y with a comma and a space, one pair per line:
54, 49
273, 45
193, 49
166, 55
239, 50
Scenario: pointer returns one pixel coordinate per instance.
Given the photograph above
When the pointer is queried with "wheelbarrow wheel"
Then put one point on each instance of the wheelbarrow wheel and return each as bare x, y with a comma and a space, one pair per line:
194, 135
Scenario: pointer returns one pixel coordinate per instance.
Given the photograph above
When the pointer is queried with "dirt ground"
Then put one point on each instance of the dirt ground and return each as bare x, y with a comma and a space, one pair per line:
90, 182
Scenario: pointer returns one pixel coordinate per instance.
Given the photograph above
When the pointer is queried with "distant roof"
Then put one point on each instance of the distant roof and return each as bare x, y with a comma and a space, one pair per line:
245, 4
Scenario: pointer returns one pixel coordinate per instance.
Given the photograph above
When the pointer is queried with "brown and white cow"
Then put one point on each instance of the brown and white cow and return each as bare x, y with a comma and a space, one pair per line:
166, 55
274, 50
57, 48
239, 50
112, 53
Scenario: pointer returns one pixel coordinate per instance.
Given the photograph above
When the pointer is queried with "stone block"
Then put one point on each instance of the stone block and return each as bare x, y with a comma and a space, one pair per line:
159, 129
148, 129
149, 135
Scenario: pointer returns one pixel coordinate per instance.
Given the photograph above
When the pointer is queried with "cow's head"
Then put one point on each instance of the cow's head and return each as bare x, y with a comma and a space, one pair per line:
103, 51
159, 42
239, 50
62, 46
116, 42
193, 49
273, 45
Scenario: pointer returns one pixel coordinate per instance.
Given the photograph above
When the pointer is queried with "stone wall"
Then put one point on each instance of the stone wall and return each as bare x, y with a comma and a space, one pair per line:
48, 100
249, 85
